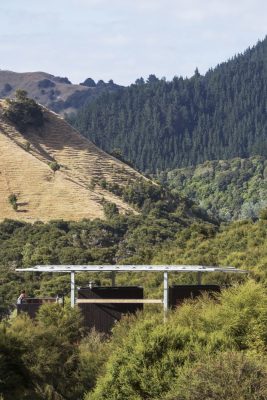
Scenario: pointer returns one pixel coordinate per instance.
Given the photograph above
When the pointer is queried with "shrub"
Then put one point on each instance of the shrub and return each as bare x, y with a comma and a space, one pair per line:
263, 214
150, 359
54, 166
110, 210
13, 201
45, 83
230, 375
23, 111
27, 146
92, 184
7, 88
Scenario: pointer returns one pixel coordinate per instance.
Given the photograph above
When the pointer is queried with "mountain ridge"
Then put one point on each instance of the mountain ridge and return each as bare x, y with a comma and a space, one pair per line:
56, 93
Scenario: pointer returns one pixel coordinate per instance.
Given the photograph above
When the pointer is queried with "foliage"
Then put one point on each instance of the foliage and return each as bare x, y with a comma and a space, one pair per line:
48, 359
13, 200
164, 233
54, 166
23, 111
234, 189
93, 353
110, 209
263, 214
242, 244
161, 125
45, 84
14, 375
131, 238
150, 358
88, 82
144, 358
230, 375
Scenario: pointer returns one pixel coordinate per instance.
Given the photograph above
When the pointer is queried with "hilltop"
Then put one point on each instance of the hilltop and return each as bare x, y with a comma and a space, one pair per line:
56, 93
160, 125
51, 171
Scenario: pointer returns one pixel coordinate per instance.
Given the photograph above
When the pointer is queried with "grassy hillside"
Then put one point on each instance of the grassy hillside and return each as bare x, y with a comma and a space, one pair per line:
231, 189
54, 172
56, 93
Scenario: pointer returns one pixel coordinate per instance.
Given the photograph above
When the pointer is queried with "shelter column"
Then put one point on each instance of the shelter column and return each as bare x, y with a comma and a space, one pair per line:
113, 278
72, 288
165, 294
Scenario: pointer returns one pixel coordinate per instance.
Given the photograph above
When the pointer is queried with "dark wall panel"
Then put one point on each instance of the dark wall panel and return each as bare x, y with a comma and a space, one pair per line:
103, 316
31, 306
178, 293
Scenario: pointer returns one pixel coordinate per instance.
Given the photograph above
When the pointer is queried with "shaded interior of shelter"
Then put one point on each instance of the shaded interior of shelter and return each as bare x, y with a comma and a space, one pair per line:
179, 293
103, 316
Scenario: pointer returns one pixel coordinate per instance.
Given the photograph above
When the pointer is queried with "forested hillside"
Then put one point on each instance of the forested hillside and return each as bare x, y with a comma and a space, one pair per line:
154, 237
204, 342
161, 125
230, 189
130, 239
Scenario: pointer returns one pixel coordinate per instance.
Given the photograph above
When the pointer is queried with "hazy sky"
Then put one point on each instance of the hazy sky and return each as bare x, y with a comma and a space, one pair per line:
125, 39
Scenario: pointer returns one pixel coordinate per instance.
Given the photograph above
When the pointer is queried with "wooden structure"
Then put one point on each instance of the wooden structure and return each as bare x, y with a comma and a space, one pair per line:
179, 293
101, 307
31, 305
113, 269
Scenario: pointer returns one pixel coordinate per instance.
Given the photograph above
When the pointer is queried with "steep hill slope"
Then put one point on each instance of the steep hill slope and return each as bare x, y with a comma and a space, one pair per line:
231, 189
28, 166
56, 93
162, 125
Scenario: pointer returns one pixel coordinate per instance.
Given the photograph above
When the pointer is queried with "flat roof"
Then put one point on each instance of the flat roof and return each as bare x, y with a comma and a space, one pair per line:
130, 268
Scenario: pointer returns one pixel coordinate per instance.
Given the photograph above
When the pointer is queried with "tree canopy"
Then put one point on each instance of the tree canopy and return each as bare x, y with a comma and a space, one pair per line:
161, 125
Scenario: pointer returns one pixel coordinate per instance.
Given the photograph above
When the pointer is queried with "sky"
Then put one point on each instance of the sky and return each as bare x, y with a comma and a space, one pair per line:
126, 39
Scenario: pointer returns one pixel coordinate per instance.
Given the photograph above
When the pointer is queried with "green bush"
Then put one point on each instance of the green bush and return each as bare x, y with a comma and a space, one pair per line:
50, 352
110, 209
54, 166
230, 375
263, 214
13, 199
23, 111
150, 357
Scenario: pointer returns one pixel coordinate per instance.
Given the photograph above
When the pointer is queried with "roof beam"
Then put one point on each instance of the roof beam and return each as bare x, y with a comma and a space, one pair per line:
129, 268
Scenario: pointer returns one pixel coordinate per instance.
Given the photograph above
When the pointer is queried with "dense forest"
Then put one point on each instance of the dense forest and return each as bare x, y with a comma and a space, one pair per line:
218, 345
207, 341
228, 189
161, 125
125, 240
120, 239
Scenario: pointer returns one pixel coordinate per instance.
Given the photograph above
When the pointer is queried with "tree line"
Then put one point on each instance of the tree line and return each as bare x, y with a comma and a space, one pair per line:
161, 125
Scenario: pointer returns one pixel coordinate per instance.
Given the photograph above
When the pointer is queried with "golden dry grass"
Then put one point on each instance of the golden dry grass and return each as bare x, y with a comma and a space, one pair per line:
44, 194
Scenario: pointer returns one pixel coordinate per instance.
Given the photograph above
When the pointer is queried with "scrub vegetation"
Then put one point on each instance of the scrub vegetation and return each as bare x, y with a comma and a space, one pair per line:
229, 189
218, 344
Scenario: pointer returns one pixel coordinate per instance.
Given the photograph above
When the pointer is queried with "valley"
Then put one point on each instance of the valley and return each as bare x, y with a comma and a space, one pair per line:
69, 195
